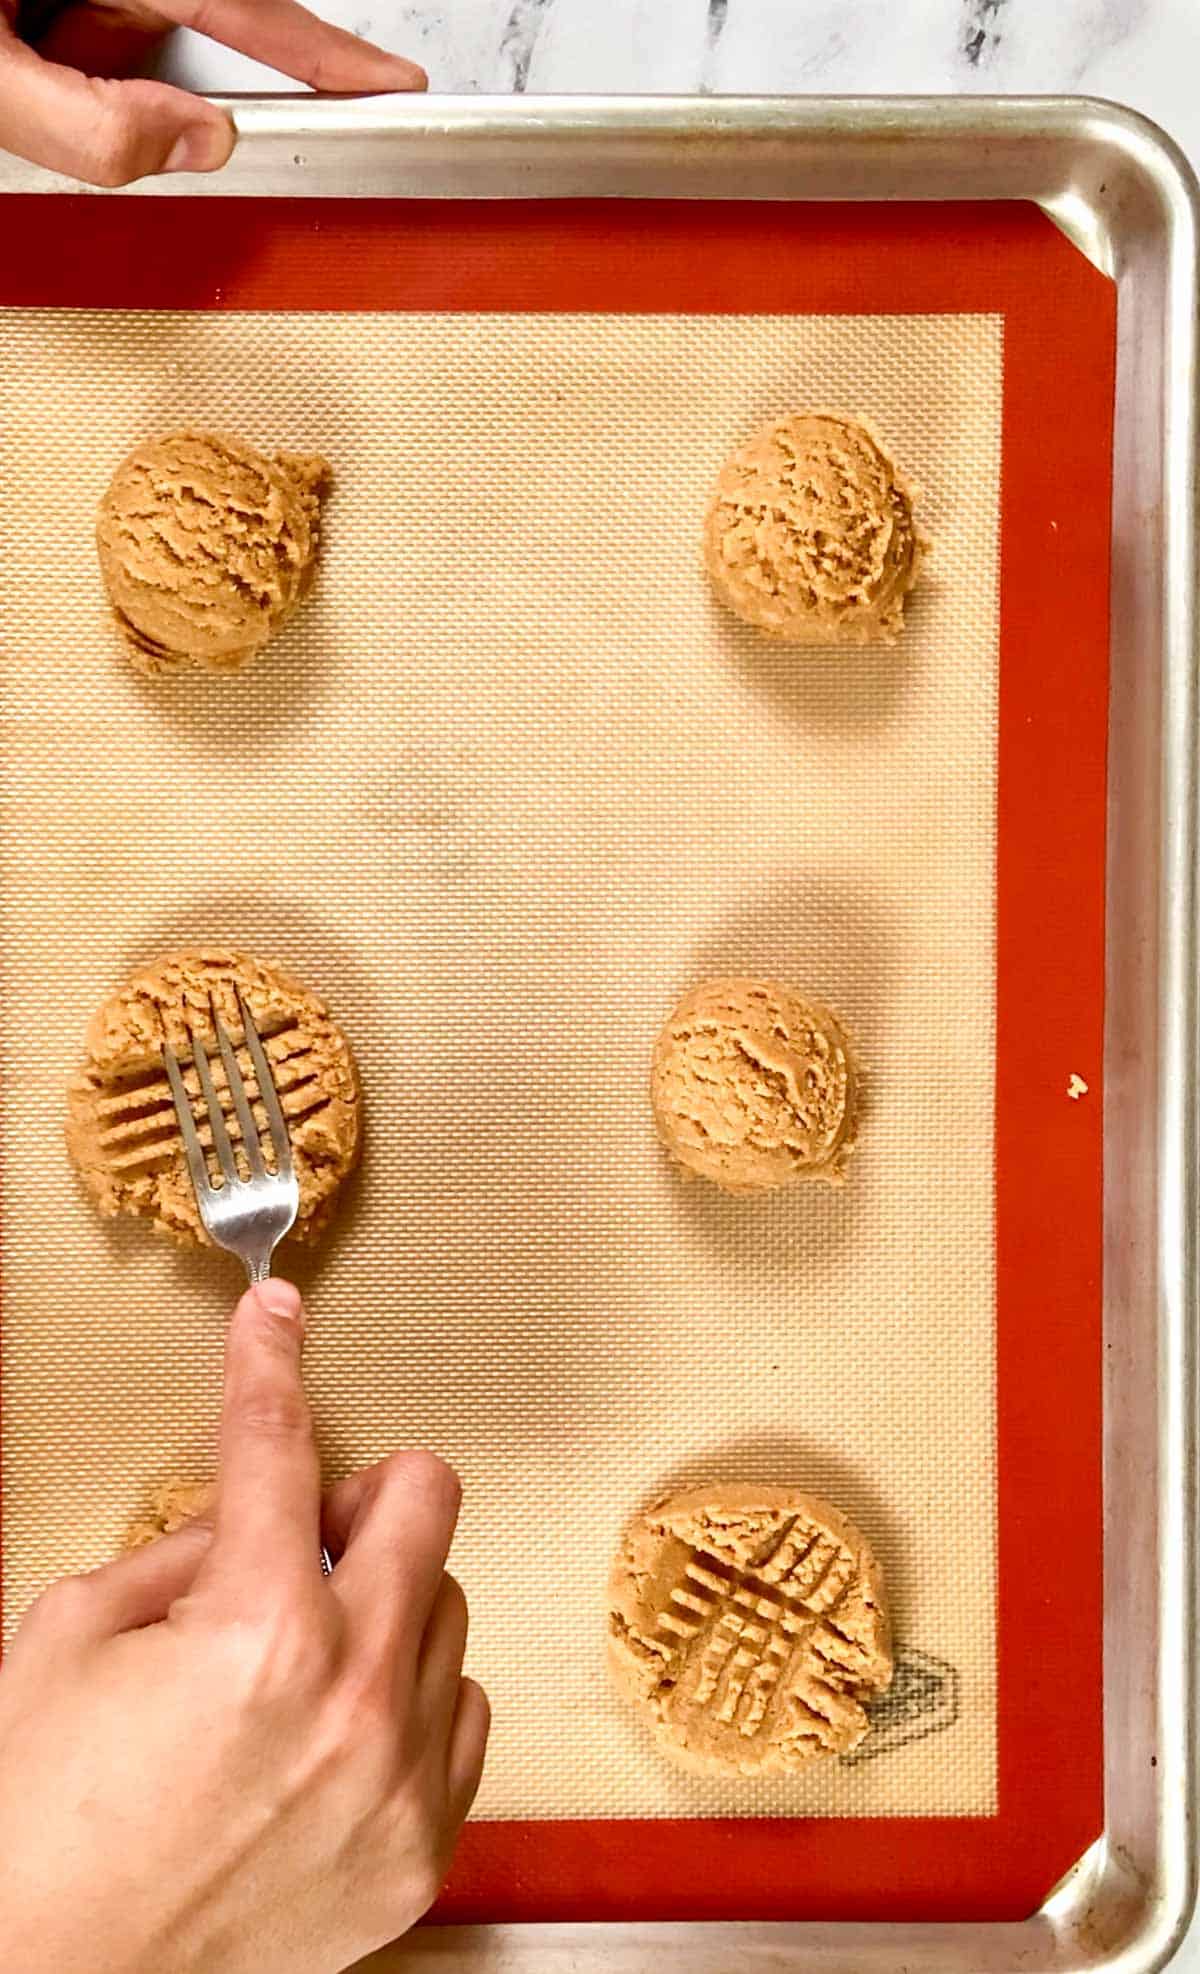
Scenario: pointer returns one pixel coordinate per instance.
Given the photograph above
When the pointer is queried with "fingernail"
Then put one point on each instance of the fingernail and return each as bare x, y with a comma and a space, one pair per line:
280, 1299
202, 147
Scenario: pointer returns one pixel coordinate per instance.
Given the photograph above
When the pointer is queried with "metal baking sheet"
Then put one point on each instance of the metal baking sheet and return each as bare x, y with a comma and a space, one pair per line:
1124, 196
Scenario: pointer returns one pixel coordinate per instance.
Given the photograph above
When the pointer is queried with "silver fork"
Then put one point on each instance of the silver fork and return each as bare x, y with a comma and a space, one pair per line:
247, 1217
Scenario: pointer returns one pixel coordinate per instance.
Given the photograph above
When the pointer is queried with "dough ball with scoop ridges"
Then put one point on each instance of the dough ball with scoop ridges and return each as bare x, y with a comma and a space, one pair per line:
754, 1086
810, 534
122, 1131
207, 547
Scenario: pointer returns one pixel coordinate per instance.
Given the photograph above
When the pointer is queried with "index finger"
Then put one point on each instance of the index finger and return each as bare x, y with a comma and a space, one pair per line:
269, 1481
287, 37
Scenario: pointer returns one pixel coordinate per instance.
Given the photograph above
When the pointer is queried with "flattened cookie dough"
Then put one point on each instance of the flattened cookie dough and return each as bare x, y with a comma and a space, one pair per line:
810, 533
748, 1625
171, 1505
754, 1086
207, 546
121, 1128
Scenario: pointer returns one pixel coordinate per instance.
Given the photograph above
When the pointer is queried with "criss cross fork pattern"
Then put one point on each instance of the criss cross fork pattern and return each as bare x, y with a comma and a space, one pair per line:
247, 1211
742, 1628
140, 1130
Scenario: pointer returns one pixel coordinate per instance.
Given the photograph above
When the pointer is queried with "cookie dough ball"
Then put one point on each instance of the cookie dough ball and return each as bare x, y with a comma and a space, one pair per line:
121, 1127
172, 1504
748, 1625
753, 1086
207, 546
810, 534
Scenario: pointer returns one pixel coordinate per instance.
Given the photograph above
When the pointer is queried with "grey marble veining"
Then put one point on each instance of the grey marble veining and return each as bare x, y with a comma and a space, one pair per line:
1141, 50
1144, 52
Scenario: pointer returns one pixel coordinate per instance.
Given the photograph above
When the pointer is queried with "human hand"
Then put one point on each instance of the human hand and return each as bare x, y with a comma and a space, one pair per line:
213, 1760
63, 104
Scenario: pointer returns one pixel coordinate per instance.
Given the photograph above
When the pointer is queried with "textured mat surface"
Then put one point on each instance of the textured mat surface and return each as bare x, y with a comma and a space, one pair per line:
508, 786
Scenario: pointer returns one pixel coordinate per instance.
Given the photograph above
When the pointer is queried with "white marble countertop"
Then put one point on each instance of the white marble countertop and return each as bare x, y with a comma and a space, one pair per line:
1142, 52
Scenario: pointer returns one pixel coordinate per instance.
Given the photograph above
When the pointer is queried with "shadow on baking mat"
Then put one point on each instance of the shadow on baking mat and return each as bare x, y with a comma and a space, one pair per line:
800, 1232
822, 928
827, 688
258, 709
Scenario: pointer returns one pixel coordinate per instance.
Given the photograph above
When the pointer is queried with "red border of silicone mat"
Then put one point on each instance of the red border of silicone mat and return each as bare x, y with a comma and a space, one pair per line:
1060, 317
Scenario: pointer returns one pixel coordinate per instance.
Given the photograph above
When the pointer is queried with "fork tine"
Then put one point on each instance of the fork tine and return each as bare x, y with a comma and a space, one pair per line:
216, 1116
197, 1163
270, 1096
237, 1090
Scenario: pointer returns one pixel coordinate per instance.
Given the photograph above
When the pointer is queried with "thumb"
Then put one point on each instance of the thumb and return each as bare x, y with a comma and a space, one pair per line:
134, 1590
140, 1588
104, 132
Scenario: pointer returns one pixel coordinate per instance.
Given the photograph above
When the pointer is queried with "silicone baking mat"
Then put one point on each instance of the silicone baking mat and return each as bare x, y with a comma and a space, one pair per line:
508, 786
